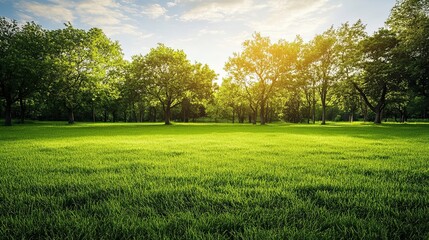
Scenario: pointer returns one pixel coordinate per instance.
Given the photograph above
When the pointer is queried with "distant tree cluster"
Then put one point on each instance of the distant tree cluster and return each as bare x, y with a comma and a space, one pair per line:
341, 74
67, 73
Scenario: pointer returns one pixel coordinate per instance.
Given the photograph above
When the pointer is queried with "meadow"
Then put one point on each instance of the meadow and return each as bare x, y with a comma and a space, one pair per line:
214, 181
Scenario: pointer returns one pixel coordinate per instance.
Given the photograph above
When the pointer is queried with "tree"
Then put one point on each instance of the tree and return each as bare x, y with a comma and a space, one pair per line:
108, 73
232, 98
82, 58
165, 73
133, 92
289, 58
324, 65
199, 89
306, 75
349, 64
381, 75
23, 63
409, 20
258, 68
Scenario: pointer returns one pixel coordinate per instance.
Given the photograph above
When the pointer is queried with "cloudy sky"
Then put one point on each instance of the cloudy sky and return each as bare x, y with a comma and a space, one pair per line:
209, 31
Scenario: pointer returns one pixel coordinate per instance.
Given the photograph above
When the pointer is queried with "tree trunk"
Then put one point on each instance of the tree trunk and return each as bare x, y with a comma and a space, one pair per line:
365, 113
233, 116
141, 115
240, 115
186, 109
22, 109
71, 116
378, 109
167, 114
254, 117
323, 109
8, 113
404, 115
313, 103
105, 115
267, 114
313, 112
323, 114
136, 119
262, 113
114, 117
378, 115
93, 111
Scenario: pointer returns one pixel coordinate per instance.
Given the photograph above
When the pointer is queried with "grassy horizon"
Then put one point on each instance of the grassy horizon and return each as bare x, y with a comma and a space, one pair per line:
211, 181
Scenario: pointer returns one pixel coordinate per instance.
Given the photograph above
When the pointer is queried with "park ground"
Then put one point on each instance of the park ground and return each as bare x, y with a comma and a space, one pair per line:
214, 181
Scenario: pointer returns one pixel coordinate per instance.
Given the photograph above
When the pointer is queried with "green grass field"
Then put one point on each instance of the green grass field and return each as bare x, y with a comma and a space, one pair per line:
214, 181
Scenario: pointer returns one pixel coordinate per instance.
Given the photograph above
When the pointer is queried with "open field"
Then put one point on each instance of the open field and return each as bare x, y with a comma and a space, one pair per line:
214, 181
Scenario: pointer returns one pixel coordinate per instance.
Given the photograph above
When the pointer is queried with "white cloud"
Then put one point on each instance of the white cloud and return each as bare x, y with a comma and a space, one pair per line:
216, 10
109, 15
171, 4
55, 11
100, 13
128, 29
288, 18
154, 11
256, 14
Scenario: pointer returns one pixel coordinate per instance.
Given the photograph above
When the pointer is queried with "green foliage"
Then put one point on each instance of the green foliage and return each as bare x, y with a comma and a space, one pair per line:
167, 76
86, 63
325, 65
258, 68
381, 76
23, 62
232, 99
342, 71
145, 181
409, 20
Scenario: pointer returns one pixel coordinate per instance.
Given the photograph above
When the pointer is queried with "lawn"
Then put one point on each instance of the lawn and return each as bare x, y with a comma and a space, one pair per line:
214, 181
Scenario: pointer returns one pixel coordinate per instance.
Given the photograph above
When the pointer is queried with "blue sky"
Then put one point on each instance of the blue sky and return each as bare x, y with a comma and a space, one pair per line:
209, 31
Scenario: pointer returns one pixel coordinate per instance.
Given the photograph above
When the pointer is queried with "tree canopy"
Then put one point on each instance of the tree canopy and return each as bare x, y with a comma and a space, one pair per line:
343, 73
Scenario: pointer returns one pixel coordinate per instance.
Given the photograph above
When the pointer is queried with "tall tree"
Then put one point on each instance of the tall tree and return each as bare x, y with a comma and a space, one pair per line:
409, 19
288, 58
381, 76
166, 73
199, 89
82, 58
349, 65
324, 48
133, 92
23, 62
233, 99
307, 78
258, 69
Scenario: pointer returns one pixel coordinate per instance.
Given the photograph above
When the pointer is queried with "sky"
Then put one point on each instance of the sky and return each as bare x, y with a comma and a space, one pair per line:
209, 31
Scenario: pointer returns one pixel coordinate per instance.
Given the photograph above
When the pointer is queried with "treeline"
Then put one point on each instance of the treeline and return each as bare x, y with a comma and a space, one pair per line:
341, 74
72, 73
